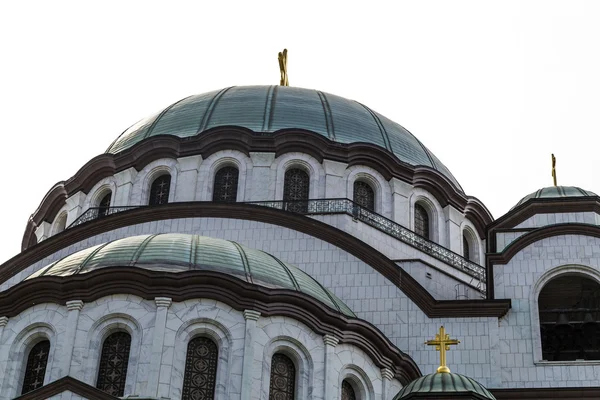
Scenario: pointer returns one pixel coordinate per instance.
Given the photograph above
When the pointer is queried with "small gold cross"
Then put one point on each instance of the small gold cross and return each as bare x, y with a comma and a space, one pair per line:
283, 68
442, 343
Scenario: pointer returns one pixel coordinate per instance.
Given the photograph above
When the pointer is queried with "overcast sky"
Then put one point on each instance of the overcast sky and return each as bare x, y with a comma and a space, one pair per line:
491, 88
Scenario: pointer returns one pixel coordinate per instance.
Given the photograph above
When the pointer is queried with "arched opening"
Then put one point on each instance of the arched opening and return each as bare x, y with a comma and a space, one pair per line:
421, 221
61, 223
35, 369
112, 371
466, 249
296, 190
104, 205
364, 195
569, 311
348, 392
226, 184
282, 384
159, 190
200, 369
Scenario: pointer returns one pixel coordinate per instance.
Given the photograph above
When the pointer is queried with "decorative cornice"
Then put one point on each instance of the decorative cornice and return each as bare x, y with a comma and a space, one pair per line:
3, 321
251, 315
387, 374
246, 141
74, 305
420, 296
164, 302
553, 393
330, 340
232, 291
67, 384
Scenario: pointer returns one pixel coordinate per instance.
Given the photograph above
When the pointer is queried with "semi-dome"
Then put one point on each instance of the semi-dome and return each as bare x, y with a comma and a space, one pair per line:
268, 109
182, 252
556, 192
444, 384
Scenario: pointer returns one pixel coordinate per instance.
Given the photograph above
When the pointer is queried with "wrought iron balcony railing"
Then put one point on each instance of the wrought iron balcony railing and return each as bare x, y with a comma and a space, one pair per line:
344, 206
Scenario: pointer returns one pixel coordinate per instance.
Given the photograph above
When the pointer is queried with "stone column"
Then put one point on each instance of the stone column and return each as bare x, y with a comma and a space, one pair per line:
386, 379
124, 182
42, 232
400, 203
330, 375
75, 207
187, 178
73, 309
262, 178
160, 324
452, 220
3, 322
251, 316
335, 185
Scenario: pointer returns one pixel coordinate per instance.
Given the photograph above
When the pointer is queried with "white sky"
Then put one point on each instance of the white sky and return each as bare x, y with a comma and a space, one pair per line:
492, 88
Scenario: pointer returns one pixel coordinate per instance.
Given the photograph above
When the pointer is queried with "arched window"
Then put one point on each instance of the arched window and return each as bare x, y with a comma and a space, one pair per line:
104, 205
421, 221
159, 191
200, 370
226, 184
112, 371
569, 310
364, 195
347, 391
61, 223
283, 378
466, 252
35, 371
295, 190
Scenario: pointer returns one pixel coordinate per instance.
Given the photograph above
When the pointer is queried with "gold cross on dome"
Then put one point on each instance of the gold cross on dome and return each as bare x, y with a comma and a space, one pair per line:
554, 169
283, 68
442, 343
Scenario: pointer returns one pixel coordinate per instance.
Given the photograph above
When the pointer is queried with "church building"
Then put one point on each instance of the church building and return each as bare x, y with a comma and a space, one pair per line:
280, 243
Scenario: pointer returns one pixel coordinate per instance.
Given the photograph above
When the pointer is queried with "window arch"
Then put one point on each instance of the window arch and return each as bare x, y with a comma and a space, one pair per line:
159, 190
569, 312
283, 378
35, 370
466, 250
364, 195
61, 223
200, 369
296, 189
112, 371
421, 221
104, 205
347, 391
226, 184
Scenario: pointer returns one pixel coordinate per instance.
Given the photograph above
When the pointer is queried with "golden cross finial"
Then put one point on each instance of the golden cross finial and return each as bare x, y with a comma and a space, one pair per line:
554, 169
283, 68
442, 344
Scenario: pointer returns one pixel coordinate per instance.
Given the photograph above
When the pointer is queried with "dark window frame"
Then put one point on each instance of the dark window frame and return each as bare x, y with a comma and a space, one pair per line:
159, 190
421, 221
363, 194
296, 190
200, 375
225, 184
280, 386
112, 376
35, 366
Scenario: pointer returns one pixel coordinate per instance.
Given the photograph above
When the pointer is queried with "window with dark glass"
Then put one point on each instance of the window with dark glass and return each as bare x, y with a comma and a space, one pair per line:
35, 370
466, 251
159, 191
283, 378
295, 190
226, 184
347, 391
569, 308
104, 206
200, 370
364, 195
421, 221
112, 371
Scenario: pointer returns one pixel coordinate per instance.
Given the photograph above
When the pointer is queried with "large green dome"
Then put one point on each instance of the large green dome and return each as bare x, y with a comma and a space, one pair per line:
268, 109
173, 252
444, 384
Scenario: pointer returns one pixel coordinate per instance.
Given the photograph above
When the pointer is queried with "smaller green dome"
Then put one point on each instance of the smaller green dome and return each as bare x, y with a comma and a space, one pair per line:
433, 384
173, 252
556, 192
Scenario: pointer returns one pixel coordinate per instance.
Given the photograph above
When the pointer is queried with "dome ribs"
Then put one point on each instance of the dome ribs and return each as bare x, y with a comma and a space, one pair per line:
163, 112
211, 107
328, 117
269, 106
384, 133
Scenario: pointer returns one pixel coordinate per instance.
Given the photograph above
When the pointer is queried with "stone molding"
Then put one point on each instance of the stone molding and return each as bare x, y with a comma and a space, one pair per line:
67, 384
74, 305
163, 302
420, 296
387, 373
330, 340
251, 315
3, 321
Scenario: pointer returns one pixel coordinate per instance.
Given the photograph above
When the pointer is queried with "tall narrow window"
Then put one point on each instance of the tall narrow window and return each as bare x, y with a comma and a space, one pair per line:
569, 310
35, 371
466, 251
283, 378
112, 371
159, 191
347, 391
226, 184
200, 370
364, 195
295, 190
421, 221
104, 206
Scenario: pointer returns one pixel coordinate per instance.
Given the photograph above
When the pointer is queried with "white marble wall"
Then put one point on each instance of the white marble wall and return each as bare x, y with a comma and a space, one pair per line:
186, 320
521, 280
261, 177
539, 220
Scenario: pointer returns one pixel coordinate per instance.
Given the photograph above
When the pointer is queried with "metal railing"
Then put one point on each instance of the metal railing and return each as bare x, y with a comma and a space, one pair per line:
344, 206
